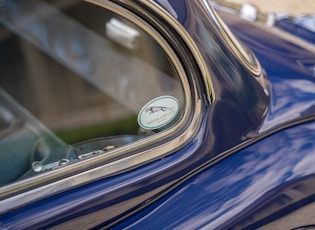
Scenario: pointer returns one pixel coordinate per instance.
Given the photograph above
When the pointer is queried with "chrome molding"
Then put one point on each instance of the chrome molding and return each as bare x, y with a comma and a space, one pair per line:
248, 60
189, 42
127, 157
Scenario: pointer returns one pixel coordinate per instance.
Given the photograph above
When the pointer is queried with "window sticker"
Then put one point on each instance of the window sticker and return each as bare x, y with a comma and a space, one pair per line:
158, 112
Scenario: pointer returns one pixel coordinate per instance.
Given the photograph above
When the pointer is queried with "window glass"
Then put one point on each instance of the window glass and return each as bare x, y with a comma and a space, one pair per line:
77, 81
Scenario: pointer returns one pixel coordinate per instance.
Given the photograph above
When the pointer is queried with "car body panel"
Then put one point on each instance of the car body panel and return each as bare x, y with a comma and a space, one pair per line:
208, 200
302, 27
227, 195
214, 172
289, 64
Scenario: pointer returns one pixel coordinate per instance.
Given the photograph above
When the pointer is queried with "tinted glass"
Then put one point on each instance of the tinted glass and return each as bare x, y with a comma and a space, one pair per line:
77, 81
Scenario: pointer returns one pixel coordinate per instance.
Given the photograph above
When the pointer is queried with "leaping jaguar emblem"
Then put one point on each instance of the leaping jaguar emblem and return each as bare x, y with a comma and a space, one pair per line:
154, 109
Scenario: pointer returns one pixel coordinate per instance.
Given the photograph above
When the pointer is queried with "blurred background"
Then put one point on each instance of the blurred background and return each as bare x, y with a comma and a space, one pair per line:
292, 7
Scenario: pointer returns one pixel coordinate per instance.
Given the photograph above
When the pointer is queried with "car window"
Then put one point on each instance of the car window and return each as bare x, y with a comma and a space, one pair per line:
77, 81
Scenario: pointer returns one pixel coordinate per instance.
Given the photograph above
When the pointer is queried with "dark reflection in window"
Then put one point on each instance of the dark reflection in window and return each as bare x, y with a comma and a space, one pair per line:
73, 72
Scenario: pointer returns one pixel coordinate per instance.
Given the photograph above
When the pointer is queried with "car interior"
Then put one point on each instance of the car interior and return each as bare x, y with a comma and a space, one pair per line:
72, 85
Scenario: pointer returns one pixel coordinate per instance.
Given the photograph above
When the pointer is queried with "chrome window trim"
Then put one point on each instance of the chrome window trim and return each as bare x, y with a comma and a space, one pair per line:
225, 33
194, 50
125, 158
236, 47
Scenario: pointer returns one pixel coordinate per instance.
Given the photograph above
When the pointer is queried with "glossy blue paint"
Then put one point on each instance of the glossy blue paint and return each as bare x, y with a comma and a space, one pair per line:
225, 196
219, 192
296, 27
289, 65
241, 98
89, 204
210, 201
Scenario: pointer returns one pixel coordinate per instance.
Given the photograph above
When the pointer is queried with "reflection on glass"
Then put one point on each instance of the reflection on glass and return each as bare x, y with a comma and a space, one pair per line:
74, 77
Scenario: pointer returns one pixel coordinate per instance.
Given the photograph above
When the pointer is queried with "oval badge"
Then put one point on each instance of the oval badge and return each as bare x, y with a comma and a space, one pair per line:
158, 112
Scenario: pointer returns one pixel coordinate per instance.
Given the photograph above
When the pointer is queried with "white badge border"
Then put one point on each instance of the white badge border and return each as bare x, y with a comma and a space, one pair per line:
167, 118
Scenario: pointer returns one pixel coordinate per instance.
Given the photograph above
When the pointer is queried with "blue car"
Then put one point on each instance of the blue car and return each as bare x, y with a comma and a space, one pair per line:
152, 114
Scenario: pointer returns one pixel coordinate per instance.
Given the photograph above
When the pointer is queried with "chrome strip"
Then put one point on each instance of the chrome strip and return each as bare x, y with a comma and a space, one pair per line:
232, 41
33, 189
189, 42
